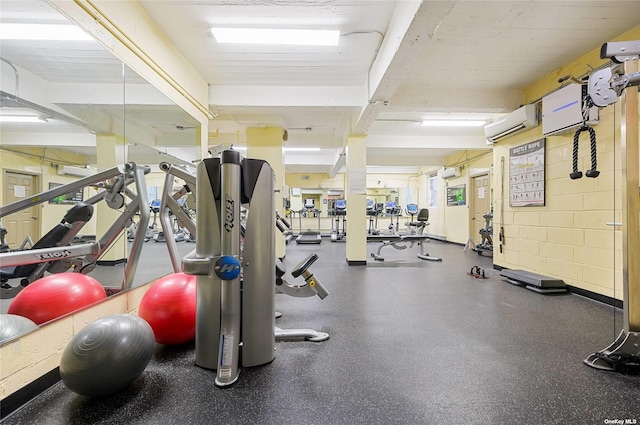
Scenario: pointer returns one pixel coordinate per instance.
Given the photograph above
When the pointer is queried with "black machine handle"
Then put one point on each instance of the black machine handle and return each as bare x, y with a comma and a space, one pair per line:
593, 173
282, 224
304, 265
285, 222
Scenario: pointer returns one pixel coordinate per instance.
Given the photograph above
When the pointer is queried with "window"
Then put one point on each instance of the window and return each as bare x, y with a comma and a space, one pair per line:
433, 191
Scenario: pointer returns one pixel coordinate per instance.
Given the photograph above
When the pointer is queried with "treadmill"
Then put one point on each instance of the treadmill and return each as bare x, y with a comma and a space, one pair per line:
309, 236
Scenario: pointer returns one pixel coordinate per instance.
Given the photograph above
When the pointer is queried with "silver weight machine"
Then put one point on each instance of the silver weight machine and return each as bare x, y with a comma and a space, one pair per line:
606, 87
235, 310
56, 253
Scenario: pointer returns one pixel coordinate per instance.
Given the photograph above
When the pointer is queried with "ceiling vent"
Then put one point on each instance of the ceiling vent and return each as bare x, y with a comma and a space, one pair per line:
520, 119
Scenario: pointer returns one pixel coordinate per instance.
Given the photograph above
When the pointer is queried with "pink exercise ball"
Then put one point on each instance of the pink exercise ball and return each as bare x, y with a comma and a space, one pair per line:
169, 306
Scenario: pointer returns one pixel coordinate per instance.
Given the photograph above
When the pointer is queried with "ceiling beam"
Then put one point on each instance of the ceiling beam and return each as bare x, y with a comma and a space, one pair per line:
412, 26
256, 96
426, 142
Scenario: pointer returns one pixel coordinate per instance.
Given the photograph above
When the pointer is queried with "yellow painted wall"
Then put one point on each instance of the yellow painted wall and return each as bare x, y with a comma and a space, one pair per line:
36, 161
314, 180
452, 222
568, 238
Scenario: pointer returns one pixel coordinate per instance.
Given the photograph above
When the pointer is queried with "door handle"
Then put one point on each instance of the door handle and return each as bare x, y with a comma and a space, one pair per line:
34, 217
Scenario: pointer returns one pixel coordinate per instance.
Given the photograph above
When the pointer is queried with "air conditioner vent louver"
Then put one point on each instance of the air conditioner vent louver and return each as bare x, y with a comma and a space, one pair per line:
520, 119
450, 172
69, 170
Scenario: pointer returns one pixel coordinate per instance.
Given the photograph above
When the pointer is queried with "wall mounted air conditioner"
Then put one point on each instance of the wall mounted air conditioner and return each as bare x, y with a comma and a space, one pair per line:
450, 172
520, 119
562, 110
69, 170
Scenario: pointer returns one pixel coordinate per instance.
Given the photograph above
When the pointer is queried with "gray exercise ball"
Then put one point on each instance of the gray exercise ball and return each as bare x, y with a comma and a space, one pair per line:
107, 355
12, 326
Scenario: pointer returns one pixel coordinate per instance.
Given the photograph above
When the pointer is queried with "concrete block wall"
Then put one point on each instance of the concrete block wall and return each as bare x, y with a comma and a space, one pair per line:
569, 238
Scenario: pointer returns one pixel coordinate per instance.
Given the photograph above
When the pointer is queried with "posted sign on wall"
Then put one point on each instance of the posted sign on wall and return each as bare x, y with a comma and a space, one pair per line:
526, 174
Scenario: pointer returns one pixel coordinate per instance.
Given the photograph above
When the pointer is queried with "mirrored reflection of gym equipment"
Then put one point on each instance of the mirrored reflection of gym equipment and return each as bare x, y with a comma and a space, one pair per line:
175, 204
339, 210
81, 257
606, 87
309, 236
392, 209
285, 228
236, 293
374, 209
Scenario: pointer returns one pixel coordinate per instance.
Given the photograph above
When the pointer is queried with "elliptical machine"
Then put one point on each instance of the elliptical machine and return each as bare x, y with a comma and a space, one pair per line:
393, 210
374, 209
339, 210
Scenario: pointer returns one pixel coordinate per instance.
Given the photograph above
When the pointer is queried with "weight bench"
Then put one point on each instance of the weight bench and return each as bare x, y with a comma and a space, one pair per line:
401, 242
61, 235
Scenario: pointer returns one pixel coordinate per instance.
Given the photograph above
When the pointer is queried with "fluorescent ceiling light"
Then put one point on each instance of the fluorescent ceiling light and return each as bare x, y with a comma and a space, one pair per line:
297, 37
43, 32
452, 123
24, 119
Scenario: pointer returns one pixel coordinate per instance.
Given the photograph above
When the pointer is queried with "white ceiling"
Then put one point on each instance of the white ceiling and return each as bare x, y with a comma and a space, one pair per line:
397, 62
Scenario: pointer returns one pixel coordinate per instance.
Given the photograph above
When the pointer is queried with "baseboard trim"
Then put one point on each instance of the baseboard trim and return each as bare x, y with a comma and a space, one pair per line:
27, 393
356, 262
595, 296
111, 262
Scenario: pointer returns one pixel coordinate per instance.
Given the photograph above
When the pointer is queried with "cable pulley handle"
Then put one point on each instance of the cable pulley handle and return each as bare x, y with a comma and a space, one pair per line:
593, 172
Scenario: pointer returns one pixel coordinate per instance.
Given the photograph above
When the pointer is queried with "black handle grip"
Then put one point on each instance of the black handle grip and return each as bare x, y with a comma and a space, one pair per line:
285, 222
304, 265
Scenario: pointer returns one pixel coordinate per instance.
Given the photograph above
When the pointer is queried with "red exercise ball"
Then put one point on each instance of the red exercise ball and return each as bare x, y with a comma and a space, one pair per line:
169, 306
56, 295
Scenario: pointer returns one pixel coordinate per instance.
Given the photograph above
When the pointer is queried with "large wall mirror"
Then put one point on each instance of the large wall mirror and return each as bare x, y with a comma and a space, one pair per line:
71, 110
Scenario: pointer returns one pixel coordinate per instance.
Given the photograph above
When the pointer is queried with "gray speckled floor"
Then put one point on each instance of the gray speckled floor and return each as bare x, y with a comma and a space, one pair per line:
412, 342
